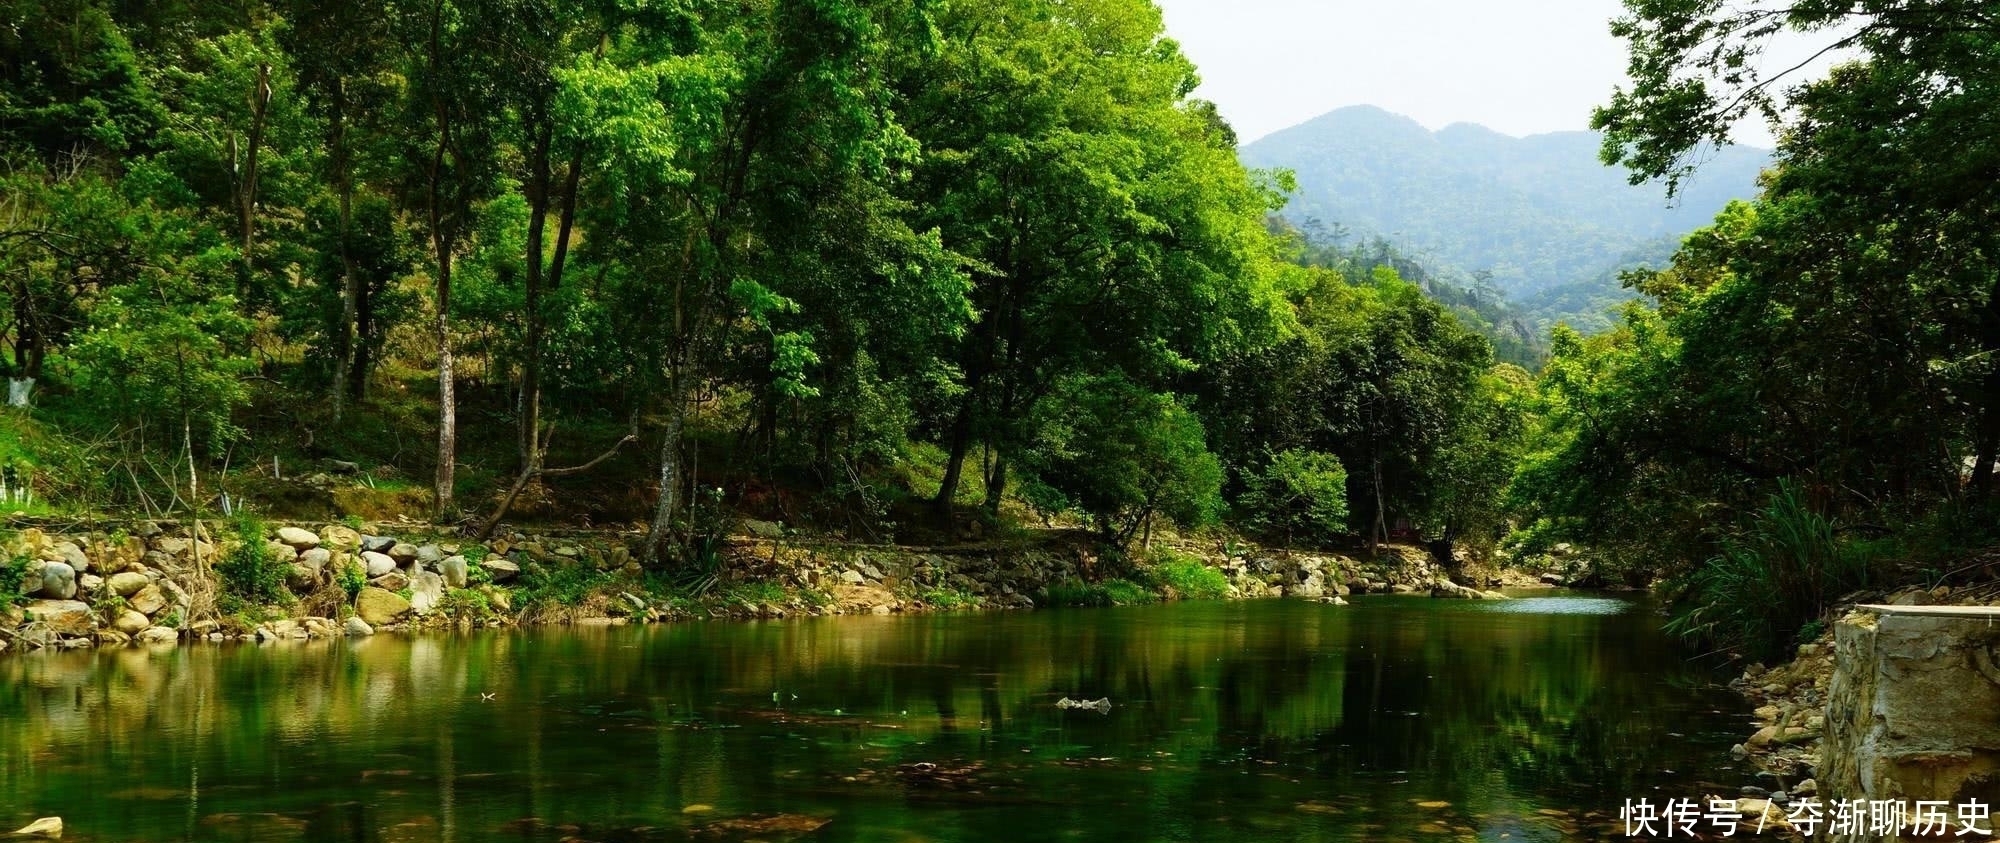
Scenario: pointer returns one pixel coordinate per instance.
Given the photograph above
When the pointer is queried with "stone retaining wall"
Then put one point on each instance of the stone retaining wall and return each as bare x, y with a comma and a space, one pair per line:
1913, 710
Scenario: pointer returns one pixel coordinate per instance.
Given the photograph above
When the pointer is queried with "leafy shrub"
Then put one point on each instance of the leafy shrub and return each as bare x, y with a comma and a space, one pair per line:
1300, 494
464, 604
948, 599
1188, 577
12, 572
249, 571
351, 577
1122, 454
1766, 586
565, 585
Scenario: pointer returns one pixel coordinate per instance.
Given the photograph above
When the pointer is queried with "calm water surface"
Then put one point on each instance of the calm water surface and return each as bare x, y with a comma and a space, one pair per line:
1391, 719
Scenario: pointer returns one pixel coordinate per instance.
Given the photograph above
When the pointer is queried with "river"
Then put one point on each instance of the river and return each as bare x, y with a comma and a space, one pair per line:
1395, 718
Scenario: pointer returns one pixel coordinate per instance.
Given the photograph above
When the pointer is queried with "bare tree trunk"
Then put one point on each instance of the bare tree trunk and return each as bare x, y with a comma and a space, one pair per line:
668, 506
246, 180
350, 281
447, 442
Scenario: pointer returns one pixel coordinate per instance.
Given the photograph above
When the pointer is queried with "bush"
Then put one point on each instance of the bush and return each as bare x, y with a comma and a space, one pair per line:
1765, 587
249, 572
1122, 454
351, 577
12, 572
1188, 577
1300, 494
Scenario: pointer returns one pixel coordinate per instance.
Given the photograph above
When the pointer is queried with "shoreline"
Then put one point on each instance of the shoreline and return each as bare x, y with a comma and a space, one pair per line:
119, 583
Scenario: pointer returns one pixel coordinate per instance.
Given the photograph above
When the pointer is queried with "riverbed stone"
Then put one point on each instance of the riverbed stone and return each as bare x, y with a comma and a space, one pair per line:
339, 537
281, 553
58, 581
128, 583
377, 563
69, 554
429, 555
852, 577
298, 538
355, 627
149, 600
763, 529
426, 592
159, 635
64, 617
316, 559
378, 544
131, 622
301, 578
46, 828
88, 584
501, 570
403, 553
378, 607
392, 581
453, 571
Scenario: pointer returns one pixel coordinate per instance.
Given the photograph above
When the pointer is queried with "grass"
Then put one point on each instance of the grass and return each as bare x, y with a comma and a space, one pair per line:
249, 571
948, 599
1112, 592
1766, 587
12, 572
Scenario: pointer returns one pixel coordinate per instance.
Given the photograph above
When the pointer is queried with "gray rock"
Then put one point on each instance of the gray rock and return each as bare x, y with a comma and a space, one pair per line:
852, 577
298, 537
392, 581
380, 563
429, 555
89, 583
282, 553
128, 583
316, 559
58, 581
377, 544
870, 571
763, 529
403, 553
159, 635
426, 592
69, 554
501, 570
453, 571
357, 628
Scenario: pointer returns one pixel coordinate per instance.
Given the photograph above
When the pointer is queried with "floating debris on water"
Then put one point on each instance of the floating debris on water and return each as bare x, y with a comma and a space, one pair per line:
1101, 705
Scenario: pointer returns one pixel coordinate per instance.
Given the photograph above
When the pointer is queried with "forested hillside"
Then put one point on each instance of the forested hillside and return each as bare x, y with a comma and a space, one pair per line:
1529, 215
880, 268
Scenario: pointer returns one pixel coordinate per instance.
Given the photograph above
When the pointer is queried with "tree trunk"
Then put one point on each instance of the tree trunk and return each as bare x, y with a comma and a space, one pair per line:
996, 485
348, 341
530, 435
954, 464
668, 506
246, 180
447, 453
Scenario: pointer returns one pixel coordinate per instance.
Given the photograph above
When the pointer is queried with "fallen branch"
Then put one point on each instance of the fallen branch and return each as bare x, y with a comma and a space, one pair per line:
534, 470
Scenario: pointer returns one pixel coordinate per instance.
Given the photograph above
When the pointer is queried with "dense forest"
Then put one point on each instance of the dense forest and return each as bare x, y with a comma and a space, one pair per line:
860, 264
903, 270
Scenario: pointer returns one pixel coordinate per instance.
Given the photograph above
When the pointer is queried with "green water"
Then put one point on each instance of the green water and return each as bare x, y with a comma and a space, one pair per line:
1261, 721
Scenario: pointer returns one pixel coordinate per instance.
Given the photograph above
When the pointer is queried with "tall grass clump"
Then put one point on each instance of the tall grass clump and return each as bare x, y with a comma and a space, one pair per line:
250, 571
1779, 577
1187, 577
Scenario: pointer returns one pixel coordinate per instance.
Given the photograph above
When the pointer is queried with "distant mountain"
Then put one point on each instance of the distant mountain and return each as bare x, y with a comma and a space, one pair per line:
1533, 215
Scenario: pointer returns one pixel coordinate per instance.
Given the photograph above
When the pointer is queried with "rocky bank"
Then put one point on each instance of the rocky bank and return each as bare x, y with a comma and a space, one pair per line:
158, 582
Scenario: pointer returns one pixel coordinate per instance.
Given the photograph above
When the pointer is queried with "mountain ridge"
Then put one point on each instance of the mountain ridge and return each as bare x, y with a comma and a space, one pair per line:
1530, 214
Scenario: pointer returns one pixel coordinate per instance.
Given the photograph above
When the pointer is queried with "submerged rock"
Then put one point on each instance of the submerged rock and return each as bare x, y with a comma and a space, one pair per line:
46, 828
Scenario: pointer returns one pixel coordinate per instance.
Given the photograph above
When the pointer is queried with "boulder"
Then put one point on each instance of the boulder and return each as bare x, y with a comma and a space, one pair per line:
378, 544
498, 598
69, 554
89, 584
852, 577
501, 570
58, 581
149, 600
403, 553
46, 828
763, 529
131, 622
300, 578
426, 592
159, 635
429, 555
378, 607
281, 553
378, 563
317, 559
298, 538
339, 537
357, 628
65, 617
453, 570
392, 581
127, 584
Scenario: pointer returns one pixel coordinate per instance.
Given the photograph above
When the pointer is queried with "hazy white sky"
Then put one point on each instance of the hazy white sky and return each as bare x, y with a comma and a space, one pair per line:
1517, 66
